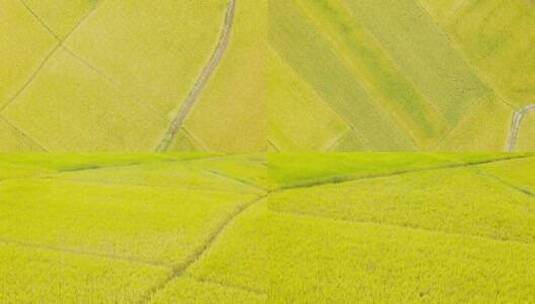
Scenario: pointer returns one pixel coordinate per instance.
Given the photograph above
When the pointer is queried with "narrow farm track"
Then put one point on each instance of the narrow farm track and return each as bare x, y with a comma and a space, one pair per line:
518, 116
180, 269
202, 80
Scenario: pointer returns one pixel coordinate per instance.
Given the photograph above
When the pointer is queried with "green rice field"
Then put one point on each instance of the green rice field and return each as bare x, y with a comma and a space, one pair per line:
244, 76
267, 151
385, 75
275, 228
98, 75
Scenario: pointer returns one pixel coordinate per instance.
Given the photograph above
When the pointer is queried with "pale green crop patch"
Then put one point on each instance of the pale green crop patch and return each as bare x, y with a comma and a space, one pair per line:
496, 37
427, 75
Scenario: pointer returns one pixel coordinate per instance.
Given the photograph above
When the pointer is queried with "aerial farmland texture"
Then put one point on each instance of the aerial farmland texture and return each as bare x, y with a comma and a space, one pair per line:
267, 151
282, 228
97, 75
400, 74
267, 75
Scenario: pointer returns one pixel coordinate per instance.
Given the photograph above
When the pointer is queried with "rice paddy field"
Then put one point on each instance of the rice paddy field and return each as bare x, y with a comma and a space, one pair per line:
266, 75
306, 151
98, 75
425, 75
120, 229
274, 228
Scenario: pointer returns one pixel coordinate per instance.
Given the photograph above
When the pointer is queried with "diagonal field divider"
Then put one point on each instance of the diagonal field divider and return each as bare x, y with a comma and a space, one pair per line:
58, 45
413, 228
181, 268
349, 178
83, 253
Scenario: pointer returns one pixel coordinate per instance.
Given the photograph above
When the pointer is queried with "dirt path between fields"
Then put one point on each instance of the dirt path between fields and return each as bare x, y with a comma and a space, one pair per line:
518, 116
181, 269
202, 80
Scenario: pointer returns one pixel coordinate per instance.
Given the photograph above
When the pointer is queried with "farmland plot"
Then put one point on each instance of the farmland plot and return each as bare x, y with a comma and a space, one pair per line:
13, 140
230, 115
286, 228
91, 229
92, 75
497, 37
441, 235
403, 75
266, 75
294, 37
22, 50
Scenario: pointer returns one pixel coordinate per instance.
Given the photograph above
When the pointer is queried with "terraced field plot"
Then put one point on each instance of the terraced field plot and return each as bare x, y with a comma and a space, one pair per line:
281, 228
98, 75
399, 75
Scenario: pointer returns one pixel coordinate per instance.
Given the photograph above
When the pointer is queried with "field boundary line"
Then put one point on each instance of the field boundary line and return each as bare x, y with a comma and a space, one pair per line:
271, 144
428, 100
312, 89
126, 185
58, 45
225, 285
375, 103
202, 80
488, 84
381, 105
180, 269
83, 253
456, 46
99, 72
459, 50
195, 141
134, 164
214, 156
516, 123
339, 179
22, 133
235, 179
379, 224
331, 146
33, 75
504, 183
41, 21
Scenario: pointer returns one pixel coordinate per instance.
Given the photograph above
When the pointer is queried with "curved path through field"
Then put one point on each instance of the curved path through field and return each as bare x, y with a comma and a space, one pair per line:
515, 125
202, 80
